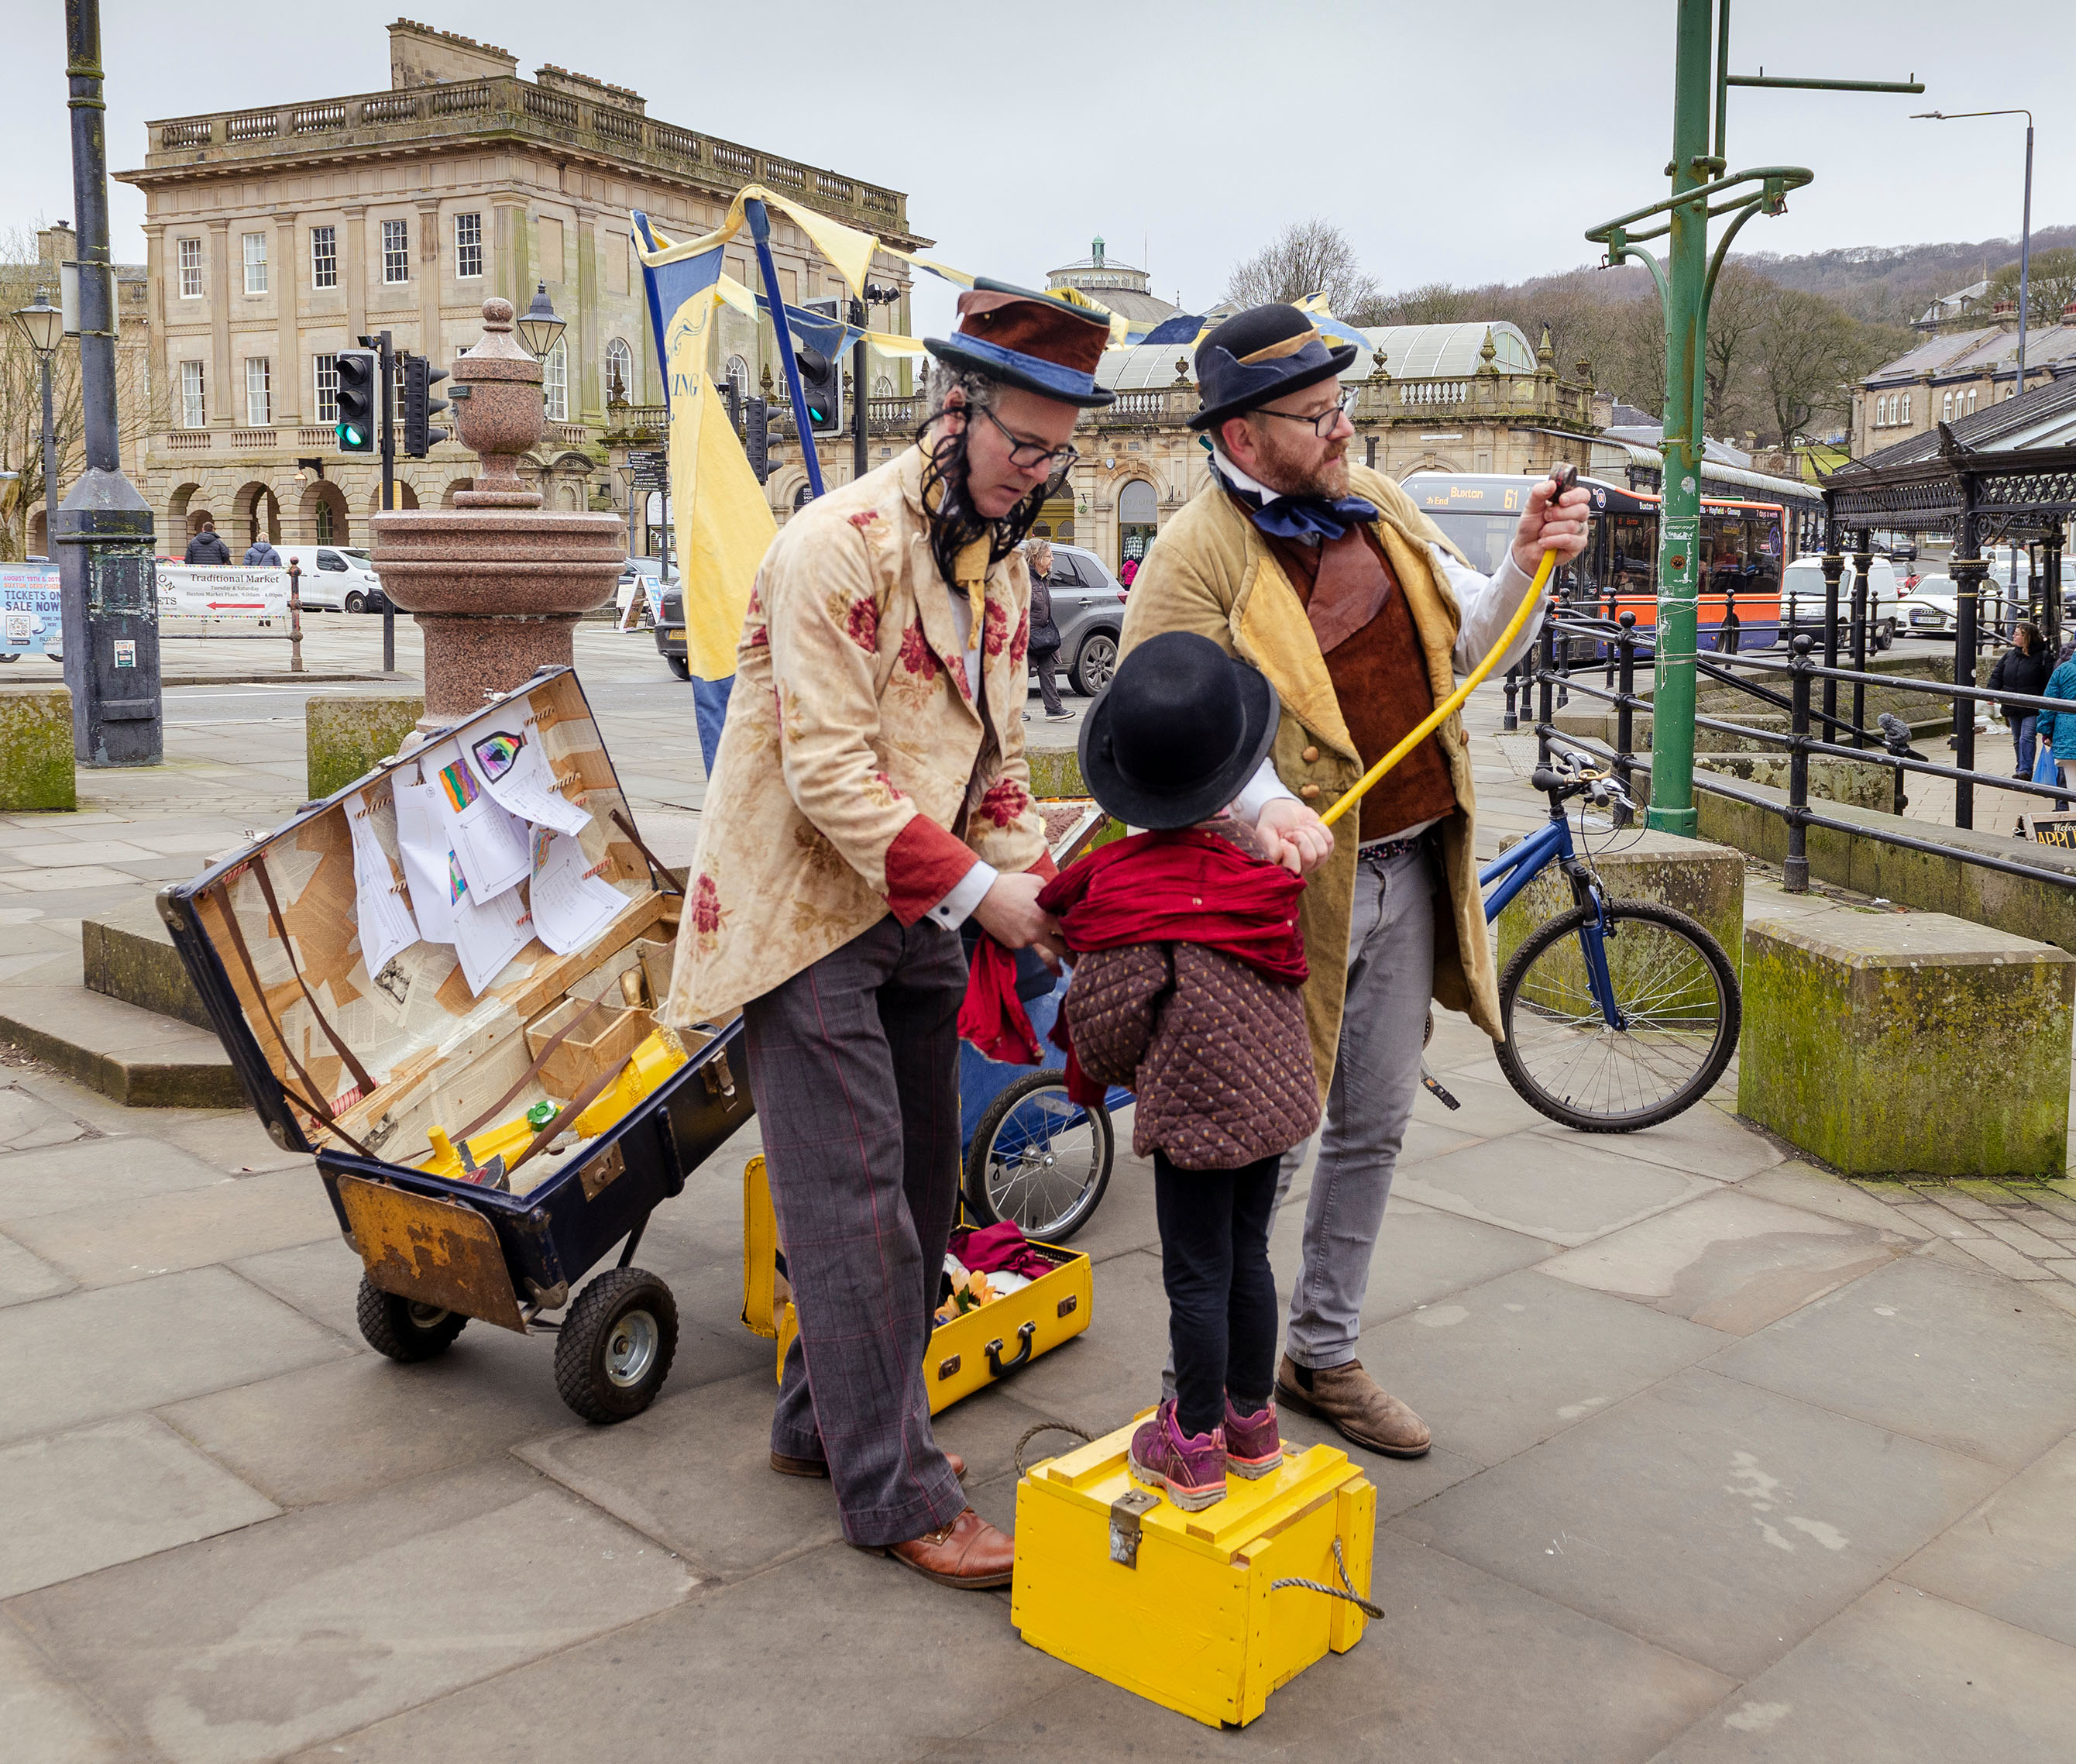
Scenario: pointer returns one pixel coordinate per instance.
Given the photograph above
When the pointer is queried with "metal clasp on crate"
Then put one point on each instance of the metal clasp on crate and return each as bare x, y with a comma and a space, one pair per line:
1125, 1513
720, 1080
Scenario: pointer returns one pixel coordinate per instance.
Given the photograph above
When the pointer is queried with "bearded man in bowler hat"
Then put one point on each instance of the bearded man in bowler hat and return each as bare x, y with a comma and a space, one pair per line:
869, 795
1324, 575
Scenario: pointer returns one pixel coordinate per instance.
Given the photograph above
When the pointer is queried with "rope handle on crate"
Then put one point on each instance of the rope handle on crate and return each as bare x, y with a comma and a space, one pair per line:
1341, 1568
1030, 1434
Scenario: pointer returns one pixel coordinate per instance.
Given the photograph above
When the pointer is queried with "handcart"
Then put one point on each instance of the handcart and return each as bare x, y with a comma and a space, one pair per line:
484, 1152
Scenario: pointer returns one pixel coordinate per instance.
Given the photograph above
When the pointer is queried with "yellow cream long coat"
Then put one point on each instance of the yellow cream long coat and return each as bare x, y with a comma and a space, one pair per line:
855, 777
1210, 571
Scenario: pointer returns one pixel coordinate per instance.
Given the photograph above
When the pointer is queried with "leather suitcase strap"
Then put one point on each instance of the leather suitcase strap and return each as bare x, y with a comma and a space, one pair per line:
658, 873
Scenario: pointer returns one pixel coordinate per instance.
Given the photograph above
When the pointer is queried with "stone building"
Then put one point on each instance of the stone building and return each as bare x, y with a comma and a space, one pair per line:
1956, 372
1120, 287
277, 236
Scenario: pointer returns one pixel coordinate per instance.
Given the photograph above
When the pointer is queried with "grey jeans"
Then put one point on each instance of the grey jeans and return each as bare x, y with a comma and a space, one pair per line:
1376, 1076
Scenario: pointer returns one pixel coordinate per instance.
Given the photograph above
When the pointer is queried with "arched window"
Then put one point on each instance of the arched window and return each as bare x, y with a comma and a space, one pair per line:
555, 381
1972, 399
802, 497
1946, 406
1905, 417
1138, 516
737, 374
882, 388
619, 372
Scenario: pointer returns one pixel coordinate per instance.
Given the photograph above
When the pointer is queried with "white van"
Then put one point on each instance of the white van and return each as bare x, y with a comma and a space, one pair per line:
1802, 590
335, 580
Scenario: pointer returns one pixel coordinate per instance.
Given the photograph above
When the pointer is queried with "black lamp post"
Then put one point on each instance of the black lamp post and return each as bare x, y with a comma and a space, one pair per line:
41, 324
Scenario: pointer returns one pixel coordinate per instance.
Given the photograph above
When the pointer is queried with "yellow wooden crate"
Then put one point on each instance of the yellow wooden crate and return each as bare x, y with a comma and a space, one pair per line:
1181, 1608
964, 1355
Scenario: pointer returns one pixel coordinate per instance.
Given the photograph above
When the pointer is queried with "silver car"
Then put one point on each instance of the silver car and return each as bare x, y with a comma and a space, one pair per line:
1088, 606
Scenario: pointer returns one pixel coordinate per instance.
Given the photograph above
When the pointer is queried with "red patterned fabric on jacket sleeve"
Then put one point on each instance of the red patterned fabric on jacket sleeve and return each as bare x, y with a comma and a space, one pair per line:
924, 864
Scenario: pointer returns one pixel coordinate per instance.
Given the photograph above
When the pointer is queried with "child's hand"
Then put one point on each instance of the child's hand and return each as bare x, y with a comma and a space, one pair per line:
1294, 836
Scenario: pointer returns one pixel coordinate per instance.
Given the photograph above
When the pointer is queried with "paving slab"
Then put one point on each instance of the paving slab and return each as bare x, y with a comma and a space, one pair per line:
1813, 1190
2014, 1557
1966, 1361
46, 1720
1421, 1254
1565, 1191
27, 1122
1551, 1685
23, 1276
104, 1351
101, 1244
1729, 1260
1708, 1137
240, 1649
836, 1654
321, 1280
1497, 1367
1904, 1677
104, 1171
1715, 1519
80, 1501
136, 1057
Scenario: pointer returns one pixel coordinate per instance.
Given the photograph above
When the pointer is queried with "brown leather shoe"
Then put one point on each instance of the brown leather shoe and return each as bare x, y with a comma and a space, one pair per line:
816, 1467
1352, 1400
969, 1552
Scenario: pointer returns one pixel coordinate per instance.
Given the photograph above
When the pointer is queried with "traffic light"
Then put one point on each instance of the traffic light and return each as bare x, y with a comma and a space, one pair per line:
821, 384
757, 437
357, 393
420, 376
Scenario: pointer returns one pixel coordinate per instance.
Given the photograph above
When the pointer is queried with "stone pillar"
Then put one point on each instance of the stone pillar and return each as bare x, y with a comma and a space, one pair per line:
222, 397
589, 405
431, 280
289, 383
353, 269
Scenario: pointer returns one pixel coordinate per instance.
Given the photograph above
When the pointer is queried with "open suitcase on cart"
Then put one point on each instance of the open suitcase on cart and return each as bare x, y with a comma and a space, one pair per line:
382, 1074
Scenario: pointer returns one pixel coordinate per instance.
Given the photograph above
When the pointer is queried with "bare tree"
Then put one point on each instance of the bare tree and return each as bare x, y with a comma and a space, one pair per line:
1307, 257
1807, 355
2050, 286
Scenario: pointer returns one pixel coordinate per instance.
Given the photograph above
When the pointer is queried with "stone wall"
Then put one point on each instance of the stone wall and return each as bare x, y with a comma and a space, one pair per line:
35, 749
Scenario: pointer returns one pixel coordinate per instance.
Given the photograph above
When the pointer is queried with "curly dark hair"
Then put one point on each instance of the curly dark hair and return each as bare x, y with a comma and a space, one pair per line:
954, 522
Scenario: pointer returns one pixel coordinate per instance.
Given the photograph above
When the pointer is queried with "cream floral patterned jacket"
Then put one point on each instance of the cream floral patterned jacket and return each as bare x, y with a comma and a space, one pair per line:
856, 775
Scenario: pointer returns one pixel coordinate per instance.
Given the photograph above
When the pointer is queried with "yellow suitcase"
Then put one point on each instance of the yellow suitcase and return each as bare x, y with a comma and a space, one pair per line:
971, 1351
1198, 1612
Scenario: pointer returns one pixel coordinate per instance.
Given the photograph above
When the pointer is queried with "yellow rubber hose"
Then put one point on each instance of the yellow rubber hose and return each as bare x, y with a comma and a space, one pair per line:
1439, 715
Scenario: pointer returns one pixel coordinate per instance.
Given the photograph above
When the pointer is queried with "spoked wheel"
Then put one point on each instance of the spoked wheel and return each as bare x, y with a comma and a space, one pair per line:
1039, 1160
1677, 1008
402, 1328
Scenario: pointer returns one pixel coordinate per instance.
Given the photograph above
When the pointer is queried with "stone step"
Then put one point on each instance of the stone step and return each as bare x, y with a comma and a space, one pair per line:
128, 954
137, 1057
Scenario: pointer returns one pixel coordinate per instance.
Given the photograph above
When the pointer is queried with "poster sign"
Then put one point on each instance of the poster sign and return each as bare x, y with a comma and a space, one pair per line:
31, 621
2051, 830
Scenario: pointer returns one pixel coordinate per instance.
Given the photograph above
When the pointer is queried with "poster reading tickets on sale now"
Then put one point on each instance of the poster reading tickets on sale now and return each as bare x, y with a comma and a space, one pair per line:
30, 619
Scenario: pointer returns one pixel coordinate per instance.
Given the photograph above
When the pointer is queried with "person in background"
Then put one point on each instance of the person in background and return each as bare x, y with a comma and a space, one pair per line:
207, 546
2058, 728
1044, 631
1126, 574
2023, 668
261, 554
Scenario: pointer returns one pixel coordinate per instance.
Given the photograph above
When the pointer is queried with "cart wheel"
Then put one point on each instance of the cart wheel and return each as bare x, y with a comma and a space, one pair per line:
1039, 1160
617, 1345
402, 1328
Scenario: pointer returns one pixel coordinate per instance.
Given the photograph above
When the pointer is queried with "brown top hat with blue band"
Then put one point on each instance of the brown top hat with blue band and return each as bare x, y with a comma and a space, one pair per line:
1022, 338
1260, 355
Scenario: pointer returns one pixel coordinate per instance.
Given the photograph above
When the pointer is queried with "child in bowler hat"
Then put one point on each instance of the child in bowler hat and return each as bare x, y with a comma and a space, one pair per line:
1187, 988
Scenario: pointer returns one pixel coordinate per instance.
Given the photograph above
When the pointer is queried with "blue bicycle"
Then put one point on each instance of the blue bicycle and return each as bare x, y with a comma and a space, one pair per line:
1618, 1014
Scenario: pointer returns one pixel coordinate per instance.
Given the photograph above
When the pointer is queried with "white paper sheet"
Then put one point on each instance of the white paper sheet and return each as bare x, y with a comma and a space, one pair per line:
513, 767
570, 907
429, 866
488, 934
489, 843
379, 909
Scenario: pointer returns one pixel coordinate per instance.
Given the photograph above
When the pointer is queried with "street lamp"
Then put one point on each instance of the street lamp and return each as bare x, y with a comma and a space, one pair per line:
2025, 237
539, 327
40, 324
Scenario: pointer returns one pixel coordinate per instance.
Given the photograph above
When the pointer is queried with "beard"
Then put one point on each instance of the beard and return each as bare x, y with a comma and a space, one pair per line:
1289, 472
954, 522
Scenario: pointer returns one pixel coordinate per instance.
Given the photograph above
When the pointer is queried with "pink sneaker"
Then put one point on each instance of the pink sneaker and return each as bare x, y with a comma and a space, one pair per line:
1254, 1445
1192, 1469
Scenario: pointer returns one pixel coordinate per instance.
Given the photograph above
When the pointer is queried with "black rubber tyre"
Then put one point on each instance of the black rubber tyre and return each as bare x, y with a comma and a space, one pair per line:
1052, 1210
1884, 634
356, 602
403, 1329
617, 1345
1094, 662
679, 666
1700, 1039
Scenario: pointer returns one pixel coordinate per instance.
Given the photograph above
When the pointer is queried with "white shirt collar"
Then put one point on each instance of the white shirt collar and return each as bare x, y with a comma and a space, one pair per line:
1239, 479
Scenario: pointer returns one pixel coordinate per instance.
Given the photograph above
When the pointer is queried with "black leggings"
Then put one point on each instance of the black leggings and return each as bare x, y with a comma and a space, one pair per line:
1221, 1294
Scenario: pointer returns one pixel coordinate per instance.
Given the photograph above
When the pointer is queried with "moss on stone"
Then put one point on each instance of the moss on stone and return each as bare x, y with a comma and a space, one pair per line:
346, 738
35, 749
1055, 772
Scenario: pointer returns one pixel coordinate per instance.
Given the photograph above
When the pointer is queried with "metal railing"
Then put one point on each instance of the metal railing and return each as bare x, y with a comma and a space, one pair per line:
1814, 727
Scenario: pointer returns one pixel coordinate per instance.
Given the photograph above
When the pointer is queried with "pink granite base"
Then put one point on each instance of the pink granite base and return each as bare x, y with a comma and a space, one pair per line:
469, 658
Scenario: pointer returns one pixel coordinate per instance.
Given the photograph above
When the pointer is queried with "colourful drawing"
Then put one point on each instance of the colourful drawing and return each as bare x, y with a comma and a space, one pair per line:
543, 838
497, 754
459, 783
457, 883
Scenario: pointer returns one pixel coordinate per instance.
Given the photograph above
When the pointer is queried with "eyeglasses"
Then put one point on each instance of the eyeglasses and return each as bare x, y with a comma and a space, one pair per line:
1028, 455
1323, 424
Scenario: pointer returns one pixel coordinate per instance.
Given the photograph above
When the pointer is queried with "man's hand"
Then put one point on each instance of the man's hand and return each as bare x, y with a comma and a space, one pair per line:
1294, 836
1009, 912
1561, 529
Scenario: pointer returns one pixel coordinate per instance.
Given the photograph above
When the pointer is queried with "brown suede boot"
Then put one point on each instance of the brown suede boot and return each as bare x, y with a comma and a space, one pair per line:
1354, 1403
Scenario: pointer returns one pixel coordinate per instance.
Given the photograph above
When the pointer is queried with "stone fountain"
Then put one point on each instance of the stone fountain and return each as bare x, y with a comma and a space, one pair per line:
496, 582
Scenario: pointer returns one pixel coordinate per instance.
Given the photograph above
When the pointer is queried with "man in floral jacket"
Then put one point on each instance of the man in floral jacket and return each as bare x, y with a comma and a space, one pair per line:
869, 794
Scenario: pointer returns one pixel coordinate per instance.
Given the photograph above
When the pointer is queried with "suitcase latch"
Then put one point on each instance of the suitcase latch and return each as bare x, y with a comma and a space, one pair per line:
1125, 1513
601, 1171
1070, 1303
720, 1081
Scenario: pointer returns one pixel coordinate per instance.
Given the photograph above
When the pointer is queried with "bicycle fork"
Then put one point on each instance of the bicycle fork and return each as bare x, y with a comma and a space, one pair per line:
1592, 938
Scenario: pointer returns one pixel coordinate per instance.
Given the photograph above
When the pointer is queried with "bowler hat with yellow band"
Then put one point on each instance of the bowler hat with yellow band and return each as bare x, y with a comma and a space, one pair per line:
1039, 341
1259, 355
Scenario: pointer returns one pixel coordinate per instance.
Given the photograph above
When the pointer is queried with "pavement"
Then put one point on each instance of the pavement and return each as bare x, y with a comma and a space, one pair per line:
1733, 1460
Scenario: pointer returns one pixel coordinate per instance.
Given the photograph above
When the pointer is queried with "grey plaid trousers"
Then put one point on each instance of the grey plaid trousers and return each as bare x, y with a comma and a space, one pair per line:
854, 1063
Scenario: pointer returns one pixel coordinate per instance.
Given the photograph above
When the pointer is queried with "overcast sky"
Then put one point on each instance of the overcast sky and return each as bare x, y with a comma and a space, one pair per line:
1186, 135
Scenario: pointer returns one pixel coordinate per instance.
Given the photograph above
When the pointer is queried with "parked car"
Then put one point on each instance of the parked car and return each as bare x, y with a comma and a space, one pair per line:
671, 628
1088, 606
1802, 597
335, 579
1929, 608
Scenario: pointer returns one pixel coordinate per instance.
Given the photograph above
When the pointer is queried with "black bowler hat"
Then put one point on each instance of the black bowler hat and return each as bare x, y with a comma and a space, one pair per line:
1177, 733
1260, 355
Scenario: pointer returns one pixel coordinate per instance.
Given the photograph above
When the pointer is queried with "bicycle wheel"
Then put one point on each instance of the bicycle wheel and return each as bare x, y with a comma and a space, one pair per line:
1039, 1160
1675, 994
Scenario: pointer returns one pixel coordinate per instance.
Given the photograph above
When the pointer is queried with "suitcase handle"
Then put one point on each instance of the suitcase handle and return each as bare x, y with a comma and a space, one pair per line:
1000, 1368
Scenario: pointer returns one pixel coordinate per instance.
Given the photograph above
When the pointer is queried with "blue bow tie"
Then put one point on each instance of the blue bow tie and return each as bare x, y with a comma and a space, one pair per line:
1308, 519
